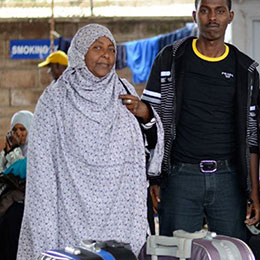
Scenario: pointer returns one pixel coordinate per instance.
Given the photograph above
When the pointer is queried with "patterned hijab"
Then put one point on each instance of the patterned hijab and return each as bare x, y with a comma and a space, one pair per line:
82, 40
98, 92
80, 44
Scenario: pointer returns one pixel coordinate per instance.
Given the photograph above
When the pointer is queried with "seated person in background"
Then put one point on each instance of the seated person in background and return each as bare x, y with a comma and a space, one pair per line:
86, 176
13, 172
16, 140
57, 63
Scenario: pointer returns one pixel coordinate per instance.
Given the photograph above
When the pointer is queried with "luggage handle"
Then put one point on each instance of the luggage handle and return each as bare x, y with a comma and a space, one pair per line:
169, 246
254, 229
195, 235
178, 246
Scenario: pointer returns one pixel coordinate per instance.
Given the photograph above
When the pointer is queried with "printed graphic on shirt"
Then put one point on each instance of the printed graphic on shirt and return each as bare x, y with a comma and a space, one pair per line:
227, 75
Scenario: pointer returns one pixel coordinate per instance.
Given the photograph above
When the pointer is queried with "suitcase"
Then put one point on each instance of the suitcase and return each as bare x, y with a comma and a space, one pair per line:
200, 245
92, 250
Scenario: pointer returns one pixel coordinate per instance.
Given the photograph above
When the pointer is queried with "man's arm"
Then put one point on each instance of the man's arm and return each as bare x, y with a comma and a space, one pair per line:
253, 208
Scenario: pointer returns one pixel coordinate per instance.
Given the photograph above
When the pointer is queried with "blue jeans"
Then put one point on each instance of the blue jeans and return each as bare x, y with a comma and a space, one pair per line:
191, 195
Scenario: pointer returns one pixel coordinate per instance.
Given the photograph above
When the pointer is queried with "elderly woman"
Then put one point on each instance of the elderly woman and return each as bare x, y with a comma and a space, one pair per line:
13, 163
86, 175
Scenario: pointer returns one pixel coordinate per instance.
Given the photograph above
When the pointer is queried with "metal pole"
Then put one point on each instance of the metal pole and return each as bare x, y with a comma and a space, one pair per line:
52, 26
91, 8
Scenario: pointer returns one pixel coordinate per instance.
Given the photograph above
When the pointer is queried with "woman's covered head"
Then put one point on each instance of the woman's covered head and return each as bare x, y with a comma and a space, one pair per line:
20, 125
93, 46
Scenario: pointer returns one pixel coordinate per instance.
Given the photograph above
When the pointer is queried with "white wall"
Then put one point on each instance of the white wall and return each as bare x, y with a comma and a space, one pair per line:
246, 27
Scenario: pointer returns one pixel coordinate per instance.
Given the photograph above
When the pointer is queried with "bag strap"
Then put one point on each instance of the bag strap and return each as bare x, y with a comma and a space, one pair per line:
125, 87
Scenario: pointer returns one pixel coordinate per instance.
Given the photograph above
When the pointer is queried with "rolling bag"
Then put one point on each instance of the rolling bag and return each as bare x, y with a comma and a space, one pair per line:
200, 245
91, 250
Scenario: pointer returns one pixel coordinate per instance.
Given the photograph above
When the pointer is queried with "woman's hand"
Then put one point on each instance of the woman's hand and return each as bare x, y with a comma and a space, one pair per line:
136, 106
11, 141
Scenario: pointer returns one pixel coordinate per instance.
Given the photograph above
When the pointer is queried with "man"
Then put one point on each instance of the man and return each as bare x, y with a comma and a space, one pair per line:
57, 63
206, 93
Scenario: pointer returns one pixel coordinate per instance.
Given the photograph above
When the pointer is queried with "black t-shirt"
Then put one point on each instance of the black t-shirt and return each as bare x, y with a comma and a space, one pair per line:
206, 128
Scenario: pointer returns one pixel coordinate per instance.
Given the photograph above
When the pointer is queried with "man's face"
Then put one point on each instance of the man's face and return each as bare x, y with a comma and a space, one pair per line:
212, 17
55, 69
100, 57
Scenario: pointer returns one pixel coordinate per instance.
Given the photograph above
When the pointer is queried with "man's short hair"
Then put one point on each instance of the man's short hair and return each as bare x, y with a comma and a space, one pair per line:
59, 57
229, 3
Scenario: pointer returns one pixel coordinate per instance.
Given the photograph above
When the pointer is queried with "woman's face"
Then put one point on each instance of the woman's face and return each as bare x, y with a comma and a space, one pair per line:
100, 57
20, 133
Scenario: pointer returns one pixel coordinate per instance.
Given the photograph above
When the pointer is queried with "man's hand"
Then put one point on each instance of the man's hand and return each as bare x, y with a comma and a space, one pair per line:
253, 211
253, 207
154, 192
136, 106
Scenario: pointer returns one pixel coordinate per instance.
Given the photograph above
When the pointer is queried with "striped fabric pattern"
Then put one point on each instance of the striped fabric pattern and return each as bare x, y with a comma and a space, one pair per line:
165, 103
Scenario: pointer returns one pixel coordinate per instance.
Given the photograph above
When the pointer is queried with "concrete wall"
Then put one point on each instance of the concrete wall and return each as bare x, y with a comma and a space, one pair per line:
21, 82
246, 11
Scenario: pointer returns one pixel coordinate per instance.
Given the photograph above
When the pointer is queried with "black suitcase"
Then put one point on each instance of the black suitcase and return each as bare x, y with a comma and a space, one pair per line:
92, 250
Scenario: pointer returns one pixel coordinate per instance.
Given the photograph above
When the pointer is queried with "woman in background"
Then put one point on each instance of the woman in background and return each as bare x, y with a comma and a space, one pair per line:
13, 169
